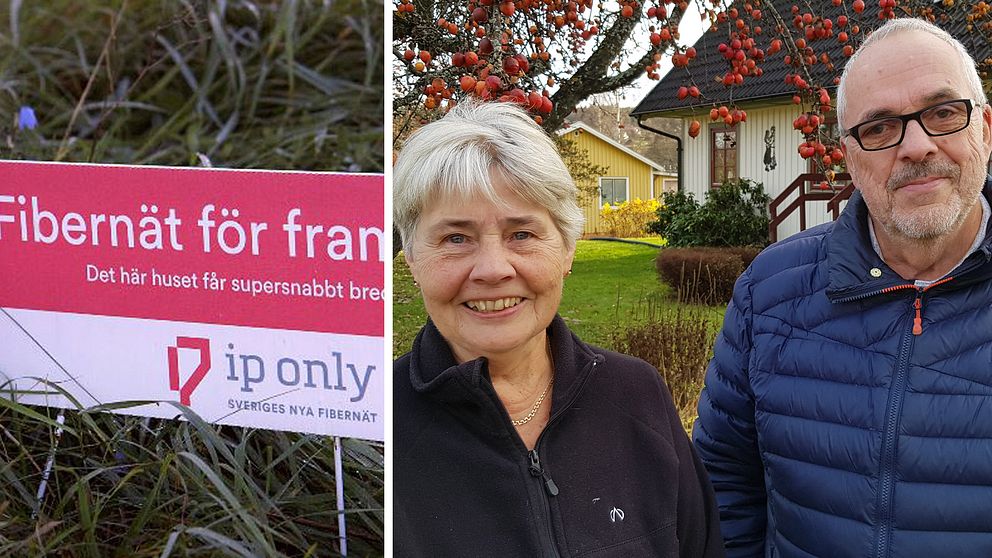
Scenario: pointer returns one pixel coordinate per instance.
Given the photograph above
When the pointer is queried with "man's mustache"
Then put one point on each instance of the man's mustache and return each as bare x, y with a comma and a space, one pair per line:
916, 171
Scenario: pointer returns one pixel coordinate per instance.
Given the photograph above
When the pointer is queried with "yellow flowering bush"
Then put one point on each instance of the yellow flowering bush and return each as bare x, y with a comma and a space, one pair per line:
629, 218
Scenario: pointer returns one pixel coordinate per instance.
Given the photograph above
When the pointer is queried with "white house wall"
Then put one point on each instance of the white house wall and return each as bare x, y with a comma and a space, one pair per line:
750, 157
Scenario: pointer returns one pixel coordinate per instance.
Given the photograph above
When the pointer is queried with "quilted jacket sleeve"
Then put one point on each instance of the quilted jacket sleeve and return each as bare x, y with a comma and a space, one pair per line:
725, 436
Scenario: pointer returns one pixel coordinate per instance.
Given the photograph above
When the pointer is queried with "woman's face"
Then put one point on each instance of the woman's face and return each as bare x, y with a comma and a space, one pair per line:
491, 276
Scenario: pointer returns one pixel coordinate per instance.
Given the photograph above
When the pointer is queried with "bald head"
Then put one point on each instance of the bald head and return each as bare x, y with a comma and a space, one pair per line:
878, 49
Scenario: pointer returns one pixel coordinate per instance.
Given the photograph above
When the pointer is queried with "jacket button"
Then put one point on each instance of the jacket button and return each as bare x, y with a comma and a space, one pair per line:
875, 272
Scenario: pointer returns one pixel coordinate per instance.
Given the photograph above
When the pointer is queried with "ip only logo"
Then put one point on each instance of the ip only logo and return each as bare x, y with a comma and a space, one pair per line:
186, 388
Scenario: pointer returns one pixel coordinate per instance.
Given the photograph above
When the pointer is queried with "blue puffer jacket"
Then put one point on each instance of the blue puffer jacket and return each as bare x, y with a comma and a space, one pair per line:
830, 425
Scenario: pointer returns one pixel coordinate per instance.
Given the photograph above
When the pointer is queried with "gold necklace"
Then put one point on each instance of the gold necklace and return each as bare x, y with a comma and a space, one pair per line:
540, 400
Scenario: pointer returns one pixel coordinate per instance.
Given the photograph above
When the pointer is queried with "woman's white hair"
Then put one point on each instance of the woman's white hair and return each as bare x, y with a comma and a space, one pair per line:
900, 25
458, 156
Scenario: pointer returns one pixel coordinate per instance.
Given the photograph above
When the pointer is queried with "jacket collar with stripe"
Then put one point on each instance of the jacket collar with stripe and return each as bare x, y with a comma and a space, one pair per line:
850, 256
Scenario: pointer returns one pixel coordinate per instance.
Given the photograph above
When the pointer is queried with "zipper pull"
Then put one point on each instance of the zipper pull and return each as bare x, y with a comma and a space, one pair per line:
918, 320
537, 471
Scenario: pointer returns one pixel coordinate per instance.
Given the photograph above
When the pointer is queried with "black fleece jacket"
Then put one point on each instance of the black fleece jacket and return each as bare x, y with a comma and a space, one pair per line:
613, 473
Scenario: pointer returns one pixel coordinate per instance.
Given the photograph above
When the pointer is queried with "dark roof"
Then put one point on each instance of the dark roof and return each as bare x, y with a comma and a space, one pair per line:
710, 65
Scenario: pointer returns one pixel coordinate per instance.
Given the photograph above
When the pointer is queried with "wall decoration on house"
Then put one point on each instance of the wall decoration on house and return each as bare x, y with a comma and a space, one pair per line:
769, 158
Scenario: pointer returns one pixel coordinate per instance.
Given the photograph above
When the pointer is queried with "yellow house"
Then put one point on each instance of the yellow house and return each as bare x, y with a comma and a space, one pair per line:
629, 174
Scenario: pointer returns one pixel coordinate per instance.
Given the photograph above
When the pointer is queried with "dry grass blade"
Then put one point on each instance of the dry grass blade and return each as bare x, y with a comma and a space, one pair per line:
679, 344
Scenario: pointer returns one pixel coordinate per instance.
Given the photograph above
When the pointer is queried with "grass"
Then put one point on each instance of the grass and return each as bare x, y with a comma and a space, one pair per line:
613, 285
613, 299
246, 84
128, 486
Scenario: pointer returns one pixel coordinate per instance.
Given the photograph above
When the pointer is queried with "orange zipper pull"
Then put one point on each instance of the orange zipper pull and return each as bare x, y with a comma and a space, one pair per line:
918, 320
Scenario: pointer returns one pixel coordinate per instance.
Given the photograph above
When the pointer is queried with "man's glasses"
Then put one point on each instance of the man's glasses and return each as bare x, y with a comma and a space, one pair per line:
938, 120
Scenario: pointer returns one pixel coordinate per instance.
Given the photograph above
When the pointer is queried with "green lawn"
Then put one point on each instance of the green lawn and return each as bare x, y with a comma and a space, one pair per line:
613, 284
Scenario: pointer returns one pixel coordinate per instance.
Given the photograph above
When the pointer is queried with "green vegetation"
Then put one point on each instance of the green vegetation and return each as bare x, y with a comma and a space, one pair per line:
129, 486
735, 214
608, 280
408, 308
246, 84
613, 299
610, 286
249, 84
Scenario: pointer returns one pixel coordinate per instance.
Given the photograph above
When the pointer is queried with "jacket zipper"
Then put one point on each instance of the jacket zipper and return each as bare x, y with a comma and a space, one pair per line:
537, 471
888, 451
917, 304
893, 419
889, 439
550, 489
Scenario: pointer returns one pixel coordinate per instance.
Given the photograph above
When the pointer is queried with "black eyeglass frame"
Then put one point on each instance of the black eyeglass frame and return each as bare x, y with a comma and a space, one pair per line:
907, 118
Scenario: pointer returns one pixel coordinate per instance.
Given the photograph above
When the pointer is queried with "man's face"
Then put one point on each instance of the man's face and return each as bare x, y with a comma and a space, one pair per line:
924, 187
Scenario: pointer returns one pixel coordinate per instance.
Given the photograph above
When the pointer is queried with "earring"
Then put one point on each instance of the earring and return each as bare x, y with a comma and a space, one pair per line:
567, 273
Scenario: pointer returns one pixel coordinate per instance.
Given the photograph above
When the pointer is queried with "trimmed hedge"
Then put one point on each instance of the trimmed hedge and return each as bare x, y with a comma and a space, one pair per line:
704, 275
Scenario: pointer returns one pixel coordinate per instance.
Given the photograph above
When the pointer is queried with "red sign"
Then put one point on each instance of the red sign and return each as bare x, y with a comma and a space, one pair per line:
284, 250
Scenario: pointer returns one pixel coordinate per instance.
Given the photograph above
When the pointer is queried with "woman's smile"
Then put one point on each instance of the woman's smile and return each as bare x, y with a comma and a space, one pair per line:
490, 306
491, 276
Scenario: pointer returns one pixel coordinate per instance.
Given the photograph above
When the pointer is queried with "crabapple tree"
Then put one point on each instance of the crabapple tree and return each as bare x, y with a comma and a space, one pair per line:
547, 55
550, 55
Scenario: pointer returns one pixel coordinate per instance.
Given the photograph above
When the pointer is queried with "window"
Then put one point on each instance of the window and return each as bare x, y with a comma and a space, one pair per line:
830, 135
723, 146
612, 190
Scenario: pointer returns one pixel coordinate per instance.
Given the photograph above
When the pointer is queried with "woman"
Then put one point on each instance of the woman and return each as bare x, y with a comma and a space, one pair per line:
513, 437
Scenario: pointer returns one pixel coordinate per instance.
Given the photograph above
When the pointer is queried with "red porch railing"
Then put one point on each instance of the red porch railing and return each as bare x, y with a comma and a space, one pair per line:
800, 194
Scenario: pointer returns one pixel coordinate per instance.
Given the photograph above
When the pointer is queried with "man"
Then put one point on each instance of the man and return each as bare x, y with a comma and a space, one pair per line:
848, 407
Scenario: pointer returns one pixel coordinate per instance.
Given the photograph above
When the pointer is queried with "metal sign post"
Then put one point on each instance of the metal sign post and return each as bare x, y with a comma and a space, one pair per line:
339, 480
43, 486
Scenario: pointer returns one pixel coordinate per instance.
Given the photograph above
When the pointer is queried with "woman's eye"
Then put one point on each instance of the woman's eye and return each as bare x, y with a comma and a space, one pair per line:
456, 239
522, 235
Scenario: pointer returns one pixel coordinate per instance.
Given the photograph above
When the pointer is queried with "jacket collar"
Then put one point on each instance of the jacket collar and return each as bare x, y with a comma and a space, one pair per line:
435, 373
850, 256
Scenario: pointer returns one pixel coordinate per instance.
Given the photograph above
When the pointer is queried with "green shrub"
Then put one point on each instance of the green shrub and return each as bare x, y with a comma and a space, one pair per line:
704, 275
735, 214
674, 205
679, 345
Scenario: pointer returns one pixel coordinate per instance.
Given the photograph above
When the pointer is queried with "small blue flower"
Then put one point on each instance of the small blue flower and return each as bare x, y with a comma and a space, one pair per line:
27, 119
122, 462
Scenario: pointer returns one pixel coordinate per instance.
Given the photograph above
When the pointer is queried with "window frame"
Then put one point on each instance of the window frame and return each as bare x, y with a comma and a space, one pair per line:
714, 130
626, 184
